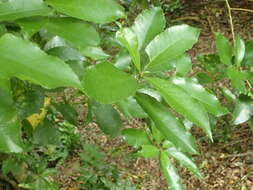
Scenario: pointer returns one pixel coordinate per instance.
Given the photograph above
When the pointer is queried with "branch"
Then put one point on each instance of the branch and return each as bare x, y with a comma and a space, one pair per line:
186, 18
241, 9
231, 21
239, 155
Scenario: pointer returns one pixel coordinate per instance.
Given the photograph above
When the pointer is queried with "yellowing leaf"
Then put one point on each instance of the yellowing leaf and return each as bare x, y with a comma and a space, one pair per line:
36, 118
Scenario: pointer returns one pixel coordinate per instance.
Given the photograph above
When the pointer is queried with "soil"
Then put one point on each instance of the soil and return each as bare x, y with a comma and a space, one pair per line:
227, 163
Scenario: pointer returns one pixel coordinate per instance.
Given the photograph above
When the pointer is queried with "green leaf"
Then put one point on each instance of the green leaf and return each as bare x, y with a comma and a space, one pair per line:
89, 115
129, 39
195, 90
183, 103
3, 30
183, 65
243, 111
5, 84
7, 166
57, 26
248, 57
41, 183
184, 160
107, 118
131, 109
204, 78
167, 124
45, 134
32, 25
95, 53
170, 173
237, 78
28, 98
167, 66
171, 43
68, 112
26, 61
10, 138
239, 50
7, 109
148, 151
79, 33
243, 187
229, 95
224, 49
156, 134
53, 41
106, 84
135, 137
151, 92
66, 53
16, 9
98, 11
78, 67
123, 61
148, 24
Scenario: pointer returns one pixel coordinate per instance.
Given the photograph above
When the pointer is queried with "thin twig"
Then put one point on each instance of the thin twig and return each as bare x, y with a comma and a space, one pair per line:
236, 142
186, 18
231, 21
241, 9
239, 155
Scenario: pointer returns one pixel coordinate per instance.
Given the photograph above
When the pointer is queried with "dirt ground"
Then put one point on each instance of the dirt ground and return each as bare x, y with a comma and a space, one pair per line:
227, 164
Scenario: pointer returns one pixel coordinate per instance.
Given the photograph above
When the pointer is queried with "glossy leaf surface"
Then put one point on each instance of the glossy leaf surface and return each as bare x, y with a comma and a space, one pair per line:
26, 61
131, 109
170, 44
135, 137
95, 53
16, 9
78, 33
224, 49
210, 102
148, 24
183, 103
98, 11
129, 40
170, 173
183, 65
243, 111
148, 151
184, 160
66, 53
106, 84
167, 124
229, 95
239, 50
